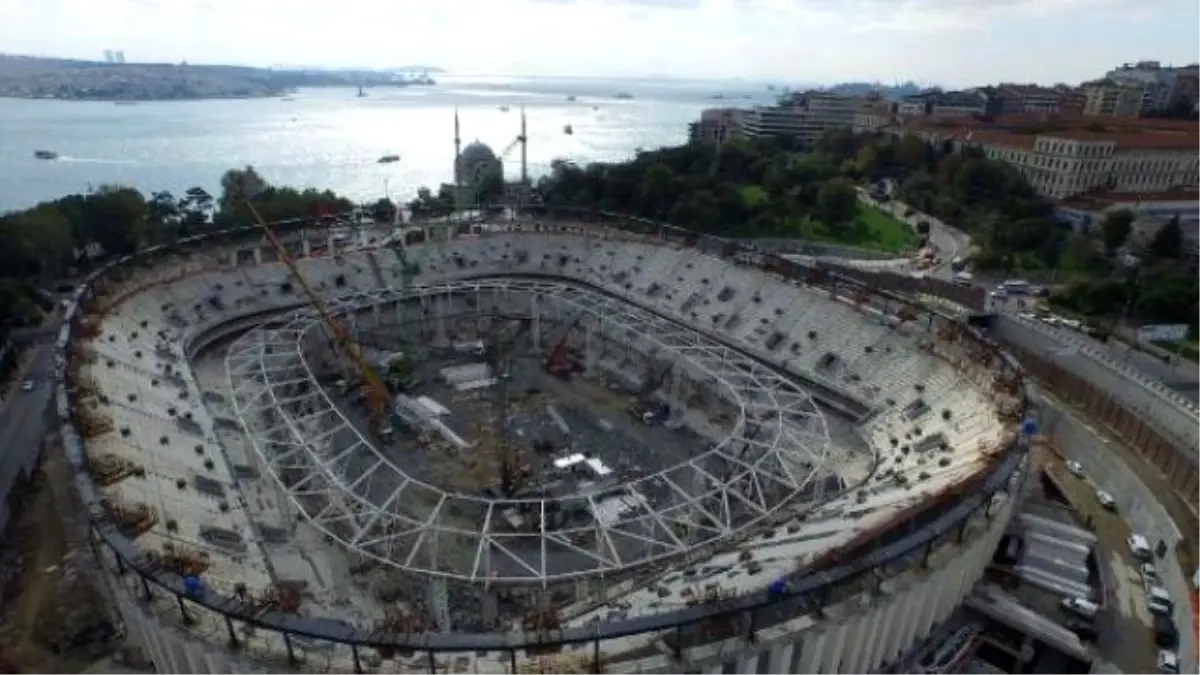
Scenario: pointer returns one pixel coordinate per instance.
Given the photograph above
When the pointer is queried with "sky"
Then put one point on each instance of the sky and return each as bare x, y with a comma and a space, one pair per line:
949, 42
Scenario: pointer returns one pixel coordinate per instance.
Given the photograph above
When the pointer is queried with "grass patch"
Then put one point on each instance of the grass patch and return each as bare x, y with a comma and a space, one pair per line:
872, 229
889, 233
754, 195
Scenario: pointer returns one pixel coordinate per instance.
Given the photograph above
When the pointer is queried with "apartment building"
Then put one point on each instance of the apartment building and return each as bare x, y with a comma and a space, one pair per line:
942, 104
1158, 83
1141, 88
1073, 156
1152, 211
1112, 98
1031, 99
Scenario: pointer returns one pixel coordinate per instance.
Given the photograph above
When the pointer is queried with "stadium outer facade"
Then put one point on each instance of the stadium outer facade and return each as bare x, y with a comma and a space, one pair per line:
863, 623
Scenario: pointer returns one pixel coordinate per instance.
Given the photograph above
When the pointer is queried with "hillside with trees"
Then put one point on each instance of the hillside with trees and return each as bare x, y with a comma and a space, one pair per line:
56, 238
745, 188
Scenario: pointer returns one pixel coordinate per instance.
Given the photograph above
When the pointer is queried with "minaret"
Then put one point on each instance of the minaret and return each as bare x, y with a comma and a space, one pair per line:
457, 151
524, 159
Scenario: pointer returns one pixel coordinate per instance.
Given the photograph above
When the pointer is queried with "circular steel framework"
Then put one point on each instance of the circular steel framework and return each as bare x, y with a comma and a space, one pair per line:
777, 454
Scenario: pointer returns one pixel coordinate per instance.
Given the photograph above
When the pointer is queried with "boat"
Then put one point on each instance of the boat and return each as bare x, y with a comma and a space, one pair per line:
568, 130
595, 107
125, 102
361, 93
571, 99
388, 159
503, 108
623, 96
45, 154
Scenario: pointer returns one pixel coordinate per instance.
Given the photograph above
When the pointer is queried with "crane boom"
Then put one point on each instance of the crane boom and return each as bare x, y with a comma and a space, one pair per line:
374, 390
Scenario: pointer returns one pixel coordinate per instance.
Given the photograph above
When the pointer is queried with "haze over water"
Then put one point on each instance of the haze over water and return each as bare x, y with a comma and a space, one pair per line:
329, 138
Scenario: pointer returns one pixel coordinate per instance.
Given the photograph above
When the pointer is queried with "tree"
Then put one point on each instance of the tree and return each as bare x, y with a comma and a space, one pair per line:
1168, 241
489, 189
238, 185
384, 210
1115, 229
115, 218
837, 202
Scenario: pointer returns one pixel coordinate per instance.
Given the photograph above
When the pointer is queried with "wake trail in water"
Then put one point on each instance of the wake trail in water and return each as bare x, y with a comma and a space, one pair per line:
95, 160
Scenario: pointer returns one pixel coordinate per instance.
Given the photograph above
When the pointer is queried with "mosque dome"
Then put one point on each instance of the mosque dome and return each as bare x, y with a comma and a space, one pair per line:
477, 153
476, 161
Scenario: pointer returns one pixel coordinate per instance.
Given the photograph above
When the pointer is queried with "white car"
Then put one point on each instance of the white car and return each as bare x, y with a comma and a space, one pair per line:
1075, 468
1158, 601
1106, 500
1168, 662
27, 385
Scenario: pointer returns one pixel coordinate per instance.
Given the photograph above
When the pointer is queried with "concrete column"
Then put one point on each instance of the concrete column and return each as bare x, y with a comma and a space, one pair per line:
306, 247
810, 657
590, 348
440, 319
258, 255
535, 326
781, 657
832, 654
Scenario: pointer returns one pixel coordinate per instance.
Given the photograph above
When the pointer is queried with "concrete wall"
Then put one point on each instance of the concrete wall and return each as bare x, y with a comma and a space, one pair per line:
821, 250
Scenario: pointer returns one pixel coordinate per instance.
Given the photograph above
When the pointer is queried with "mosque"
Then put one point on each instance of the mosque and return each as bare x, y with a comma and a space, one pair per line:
477, 160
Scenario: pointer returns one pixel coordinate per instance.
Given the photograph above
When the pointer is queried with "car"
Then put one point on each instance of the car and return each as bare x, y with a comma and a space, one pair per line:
1168, 661
999, 294
1106, 500
1158, 601
1165, 633
1139, 547
1081, 607
1075, 468
28, 385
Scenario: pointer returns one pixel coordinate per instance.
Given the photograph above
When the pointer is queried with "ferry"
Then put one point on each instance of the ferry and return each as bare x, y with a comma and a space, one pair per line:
45, 154
388, 159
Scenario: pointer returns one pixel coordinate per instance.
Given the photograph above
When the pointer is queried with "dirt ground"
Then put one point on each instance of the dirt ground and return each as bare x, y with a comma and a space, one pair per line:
55, 623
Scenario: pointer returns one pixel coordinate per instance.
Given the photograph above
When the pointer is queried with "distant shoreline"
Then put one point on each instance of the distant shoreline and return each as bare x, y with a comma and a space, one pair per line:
211, 97
132, 101
43, 79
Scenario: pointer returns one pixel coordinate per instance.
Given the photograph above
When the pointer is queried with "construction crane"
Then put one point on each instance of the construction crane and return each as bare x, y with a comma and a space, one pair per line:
374, 391
558, 359
510, 465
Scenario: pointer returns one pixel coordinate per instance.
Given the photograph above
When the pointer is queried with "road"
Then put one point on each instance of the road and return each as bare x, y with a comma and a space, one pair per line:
949, 242
1178, 379
23, 420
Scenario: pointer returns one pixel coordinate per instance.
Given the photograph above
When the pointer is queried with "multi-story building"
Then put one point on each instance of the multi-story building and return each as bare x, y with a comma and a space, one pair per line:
1067, 157
802, 117
1156, 82
1151, 212
873, 117
716, 125
1110, 98
1029, 99
1142, 88
942, 104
